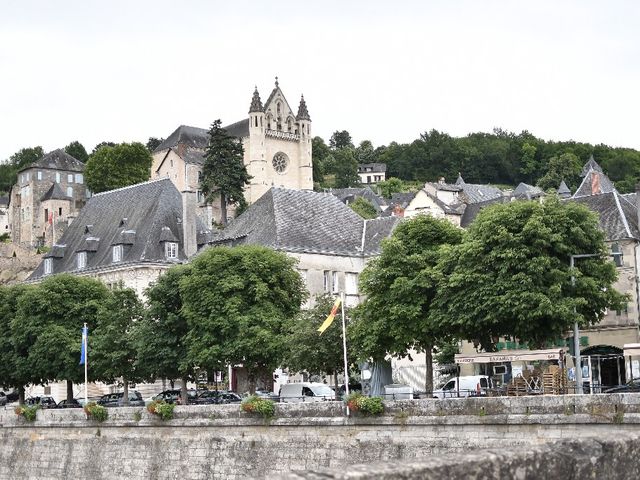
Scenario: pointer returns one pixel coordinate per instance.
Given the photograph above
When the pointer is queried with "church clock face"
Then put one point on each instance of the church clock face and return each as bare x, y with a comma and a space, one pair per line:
280, 162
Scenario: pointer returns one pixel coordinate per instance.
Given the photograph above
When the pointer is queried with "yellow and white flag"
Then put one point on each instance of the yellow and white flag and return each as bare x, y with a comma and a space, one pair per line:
327, 323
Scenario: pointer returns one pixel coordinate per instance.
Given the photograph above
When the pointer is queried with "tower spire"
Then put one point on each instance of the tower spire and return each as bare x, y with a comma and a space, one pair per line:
303, 113
256, 103
277, 81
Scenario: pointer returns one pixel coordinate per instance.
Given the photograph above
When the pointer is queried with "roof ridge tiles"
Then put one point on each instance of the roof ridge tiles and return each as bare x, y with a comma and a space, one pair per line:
135, 185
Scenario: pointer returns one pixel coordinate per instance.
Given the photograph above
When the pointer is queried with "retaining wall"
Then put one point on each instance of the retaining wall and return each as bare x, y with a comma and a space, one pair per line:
220, 442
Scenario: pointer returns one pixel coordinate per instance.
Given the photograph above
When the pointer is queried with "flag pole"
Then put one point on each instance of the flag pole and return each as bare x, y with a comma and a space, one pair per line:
344, 347
86, 358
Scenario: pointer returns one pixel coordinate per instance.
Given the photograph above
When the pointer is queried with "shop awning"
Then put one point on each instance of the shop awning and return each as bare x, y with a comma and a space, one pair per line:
631, 349
510, 356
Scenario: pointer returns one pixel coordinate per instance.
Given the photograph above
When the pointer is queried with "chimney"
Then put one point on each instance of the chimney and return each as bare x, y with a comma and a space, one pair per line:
190, 244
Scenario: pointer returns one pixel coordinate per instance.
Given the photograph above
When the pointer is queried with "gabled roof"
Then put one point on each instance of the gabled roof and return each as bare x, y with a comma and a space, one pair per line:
54, 193
57, 160
563, 189
524, 190
594, 183
590, 165
133, 216
453, 209
239, 129
190, 136
618, 216
445, 187
305, 221
375, 167
348, 194
476, 193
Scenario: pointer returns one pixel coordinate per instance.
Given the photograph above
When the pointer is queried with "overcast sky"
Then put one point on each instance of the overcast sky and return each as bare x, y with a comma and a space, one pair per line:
383, 70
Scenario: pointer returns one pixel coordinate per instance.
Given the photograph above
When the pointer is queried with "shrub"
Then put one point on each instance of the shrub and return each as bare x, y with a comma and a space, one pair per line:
28, 412
162, 409
260, 406
96, 412
365, 405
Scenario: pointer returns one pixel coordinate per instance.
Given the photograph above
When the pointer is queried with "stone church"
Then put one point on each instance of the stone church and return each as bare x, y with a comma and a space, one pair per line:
277, 151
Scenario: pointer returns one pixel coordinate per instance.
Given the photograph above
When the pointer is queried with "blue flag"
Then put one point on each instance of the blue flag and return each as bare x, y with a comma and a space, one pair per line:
83, 350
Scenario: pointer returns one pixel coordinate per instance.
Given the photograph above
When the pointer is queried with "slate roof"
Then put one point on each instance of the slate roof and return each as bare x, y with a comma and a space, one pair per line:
475, 193
602, 182
590, 165
445, 187
194, 156
618, 215
198, 138
402, 198
563, 189
306, 222
349, 194
54, 193
524, 190
375, 167
453, 209
472, 209
239, 129
133, 216
57, 160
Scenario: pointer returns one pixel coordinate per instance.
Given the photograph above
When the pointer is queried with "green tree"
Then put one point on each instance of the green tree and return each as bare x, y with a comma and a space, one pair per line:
511, 276
102, 144
529, 164
346, 168
48, 325
340, 139
400, 286
224, 174
320, 155
308, 351
77, 151
238, 303
390, 186
565, 167
17, 161
113, 343
161, 336
118, 166
154, 143
14, 369
364, 208
365, 152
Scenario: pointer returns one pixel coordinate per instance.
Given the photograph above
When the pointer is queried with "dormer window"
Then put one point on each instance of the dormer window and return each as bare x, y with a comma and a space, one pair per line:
171, 250
117, 254
48, 266
81, 260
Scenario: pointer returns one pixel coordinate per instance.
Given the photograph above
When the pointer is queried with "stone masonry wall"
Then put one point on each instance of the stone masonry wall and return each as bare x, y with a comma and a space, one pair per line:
220, 442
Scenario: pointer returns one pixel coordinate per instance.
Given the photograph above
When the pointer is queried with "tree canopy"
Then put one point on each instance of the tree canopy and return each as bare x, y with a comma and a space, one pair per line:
224, 174
400, 286
364, 208
19, 160
511, 276
111, 167
77, 151
238, 303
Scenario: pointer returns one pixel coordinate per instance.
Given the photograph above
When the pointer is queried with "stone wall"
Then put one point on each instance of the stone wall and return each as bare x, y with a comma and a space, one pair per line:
220, 442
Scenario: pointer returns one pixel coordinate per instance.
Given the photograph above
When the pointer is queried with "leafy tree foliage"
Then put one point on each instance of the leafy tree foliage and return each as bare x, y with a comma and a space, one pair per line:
364, 208
322, 160
365, 152
511, 276
153, 143
16, 162
340, 139
390, 186
114, 347
238, 303
102, 144
400, 286
48, 324
566, 167
117, 166
224, 174
14, 370
77, 151
162, 335
346, 168
308, 351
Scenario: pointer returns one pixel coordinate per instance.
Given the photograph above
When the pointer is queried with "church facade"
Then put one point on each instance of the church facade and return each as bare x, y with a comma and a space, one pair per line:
277, 151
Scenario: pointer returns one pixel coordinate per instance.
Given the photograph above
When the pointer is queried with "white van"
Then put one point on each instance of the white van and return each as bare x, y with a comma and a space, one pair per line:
472, 385
306, 392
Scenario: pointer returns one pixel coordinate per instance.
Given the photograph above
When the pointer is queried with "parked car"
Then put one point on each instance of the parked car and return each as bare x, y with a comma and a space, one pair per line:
3, 399
633, 386
209, 397
73, 403
116, 399
306, 392
173, 396
466, 386
13, 396
43, 402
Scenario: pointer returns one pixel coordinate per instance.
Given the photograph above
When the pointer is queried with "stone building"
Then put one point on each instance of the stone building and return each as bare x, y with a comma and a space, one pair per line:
47, 196
277, 151
129, 236
5, 226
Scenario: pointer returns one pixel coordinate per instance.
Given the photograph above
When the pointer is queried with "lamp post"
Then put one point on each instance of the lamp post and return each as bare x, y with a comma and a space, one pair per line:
616, 253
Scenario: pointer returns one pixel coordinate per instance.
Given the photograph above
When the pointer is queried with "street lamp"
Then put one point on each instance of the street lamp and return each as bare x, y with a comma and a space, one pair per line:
616, 253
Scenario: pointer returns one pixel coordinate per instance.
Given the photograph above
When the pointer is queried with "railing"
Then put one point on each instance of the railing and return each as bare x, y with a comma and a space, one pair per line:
292, 137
